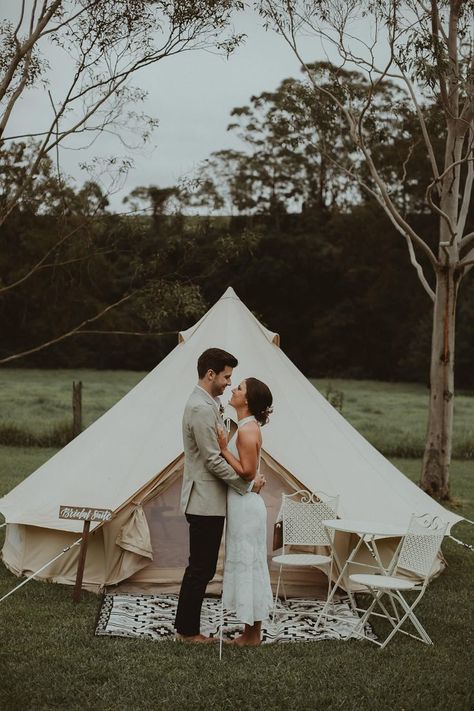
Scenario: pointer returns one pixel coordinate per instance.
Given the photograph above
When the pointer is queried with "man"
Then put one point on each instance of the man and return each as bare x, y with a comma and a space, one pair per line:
204, 492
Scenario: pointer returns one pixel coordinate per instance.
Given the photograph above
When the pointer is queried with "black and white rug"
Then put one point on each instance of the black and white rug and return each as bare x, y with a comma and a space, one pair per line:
152, 617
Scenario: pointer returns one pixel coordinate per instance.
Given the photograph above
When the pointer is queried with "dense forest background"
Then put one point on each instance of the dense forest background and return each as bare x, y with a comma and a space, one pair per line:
311, 255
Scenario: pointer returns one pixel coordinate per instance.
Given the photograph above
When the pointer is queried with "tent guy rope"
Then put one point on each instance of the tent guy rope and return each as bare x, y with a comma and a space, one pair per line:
30, 577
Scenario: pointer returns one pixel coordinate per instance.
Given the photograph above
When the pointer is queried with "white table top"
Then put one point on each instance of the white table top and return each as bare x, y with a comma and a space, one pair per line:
366, 528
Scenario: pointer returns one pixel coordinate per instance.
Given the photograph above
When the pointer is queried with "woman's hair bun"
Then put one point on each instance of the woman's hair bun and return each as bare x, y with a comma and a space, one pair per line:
264, 415
260, 399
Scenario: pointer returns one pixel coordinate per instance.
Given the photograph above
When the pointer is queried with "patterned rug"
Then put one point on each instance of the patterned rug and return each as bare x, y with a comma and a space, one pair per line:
152, 617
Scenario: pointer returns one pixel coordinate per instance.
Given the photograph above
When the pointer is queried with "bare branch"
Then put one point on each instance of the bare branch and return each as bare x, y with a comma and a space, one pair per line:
436, 25
409, 156
467, 240
17, 28
424, 130
41, 262
69, 333
27, 46
69, 20
468, 184
127, 333
439, 211
468, 262
103, 68
413, 260
392, 211
185, 37
33, 13
355, 130
467, 112
467, 158
355, 127
16, 94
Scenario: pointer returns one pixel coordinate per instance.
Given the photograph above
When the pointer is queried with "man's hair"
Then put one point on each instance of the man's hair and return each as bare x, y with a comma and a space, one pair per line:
215, 359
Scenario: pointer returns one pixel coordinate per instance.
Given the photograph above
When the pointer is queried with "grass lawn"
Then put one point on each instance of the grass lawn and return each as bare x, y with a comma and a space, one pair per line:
40, 400
51, 660
392, 416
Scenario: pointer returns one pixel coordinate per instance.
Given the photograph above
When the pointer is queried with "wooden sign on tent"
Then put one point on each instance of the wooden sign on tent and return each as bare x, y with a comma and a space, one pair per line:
86, 514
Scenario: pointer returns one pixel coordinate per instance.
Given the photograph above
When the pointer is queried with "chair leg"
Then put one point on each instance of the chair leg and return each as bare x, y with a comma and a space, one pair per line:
285, 597
386, 612
329, 584
360, 625
413, 618
394, 608
409, 614
328, 600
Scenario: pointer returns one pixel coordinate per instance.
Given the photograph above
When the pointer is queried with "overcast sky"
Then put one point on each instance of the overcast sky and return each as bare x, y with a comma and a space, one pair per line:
191, 94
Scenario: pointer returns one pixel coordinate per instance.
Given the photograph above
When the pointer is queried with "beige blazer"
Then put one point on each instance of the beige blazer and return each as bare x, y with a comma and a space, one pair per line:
206, 473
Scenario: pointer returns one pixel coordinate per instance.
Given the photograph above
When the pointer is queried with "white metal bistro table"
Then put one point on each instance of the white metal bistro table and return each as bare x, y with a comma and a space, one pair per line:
369, 532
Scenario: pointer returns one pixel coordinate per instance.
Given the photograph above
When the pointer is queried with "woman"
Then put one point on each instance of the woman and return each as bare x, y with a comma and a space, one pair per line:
246, 589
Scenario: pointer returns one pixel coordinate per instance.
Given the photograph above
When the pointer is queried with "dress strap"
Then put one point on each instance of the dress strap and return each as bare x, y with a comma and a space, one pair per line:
244, 421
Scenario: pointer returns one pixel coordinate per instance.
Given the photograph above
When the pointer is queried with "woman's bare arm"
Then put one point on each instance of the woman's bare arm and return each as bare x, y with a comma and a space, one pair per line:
248, 442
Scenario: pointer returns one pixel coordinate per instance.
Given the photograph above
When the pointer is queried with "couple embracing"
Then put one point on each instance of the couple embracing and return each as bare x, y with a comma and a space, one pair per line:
222, 479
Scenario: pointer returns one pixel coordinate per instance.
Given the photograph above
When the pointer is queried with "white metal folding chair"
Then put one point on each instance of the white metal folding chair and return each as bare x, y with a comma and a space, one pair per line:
418, 552
302, 514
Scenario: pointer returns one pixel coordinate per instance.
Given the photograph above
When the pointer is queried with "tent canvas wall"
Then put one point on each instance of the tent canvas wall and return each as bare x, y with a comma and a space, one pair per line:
130, 461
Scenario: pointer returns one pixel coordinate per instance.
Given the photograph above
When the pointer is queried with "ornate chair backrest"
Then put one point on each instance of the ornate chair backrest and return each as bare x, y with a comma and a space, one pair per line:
303, 514
421, 544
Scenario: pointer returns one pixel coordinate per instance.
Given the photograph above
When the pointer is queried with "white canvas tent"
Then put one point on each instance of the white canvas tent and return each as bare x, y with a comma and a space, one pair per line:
130, 461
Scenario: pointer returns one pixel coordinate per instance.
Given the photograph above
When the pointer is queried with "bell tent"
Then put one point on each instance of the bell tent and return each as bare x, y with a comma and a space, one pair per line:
130, 461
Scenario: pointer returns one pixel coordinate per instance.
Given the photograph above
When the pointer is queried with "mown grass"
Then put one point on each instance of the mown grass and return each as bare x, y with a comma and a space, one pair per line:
50, 658
37, 400
35, 408
393, 416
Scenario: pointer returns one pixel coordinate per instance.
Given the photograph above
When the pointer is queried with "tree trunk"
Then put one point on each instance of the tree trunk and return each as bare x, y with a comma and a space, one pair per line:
437, 456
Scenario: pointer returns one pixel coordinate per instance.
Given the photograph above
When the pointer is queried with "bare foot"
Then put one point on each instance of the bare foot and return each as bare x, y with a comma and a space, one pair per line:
195, 638
246, 641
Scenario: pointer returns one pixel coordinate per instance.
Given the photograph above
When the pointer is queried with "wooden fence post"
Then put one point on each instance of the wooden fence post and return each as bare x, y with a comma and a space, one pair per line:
76, 596
76, 408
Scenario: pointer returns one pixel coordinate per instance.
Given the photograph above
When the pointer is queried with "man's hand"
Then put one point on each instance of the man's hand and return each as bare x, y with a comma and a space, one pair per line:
221, 438
258, 483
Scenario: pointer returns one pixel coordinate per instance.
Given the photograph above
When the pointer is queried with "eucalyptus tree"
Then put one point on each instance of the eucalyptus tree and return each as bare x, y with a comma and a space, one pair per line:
293, 148
282, 165
427, 49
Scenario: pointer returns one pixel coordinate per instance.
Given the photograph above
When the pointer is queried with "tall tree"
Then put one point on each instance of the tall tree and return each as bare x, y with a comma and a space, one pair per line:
101, 45
51, 290
283, 166
428, 49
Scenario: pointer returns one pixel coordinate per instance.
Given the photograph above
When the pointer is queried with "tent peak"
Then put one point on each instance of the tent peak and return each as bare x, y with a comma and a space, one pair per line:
229, 293
227, 307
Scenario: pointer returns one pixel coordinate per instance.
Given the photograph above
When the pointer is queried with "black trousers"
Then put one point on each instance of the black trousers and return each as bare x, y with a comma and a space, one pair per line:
205, 534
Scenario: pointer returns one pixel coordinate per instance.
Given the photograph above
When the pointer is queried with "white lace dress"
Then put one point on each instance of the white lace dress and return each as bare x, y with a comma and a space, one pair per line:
246, 589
